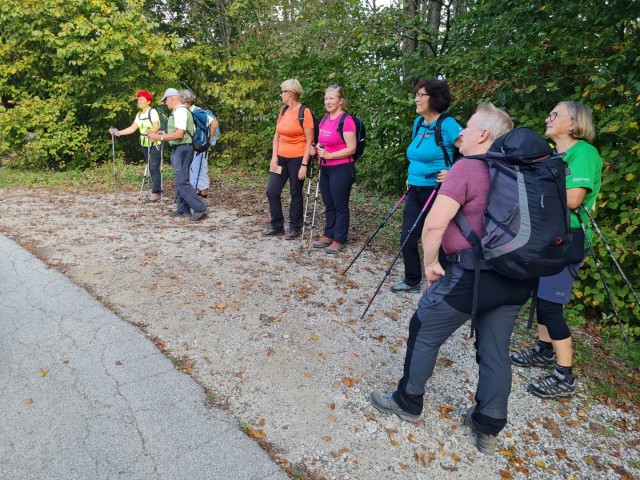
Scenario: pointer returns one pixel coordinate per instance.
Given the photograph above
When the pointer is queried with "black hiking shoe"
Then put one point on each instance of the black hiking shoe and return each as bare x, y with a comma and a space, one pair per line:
485, 443
292, 235
534, 357
272, 232
553, 386
385, 403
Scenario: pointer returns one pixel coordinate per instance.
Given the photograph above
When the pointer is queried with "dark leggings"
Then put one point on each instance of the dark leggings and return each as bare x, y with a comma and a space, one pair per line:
551, 316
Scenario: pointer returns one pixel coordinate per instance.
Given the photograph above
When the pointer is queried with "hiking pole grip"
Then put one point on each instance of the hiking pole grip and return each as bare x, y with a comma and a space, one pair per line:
604, 280
382, 224
608, 248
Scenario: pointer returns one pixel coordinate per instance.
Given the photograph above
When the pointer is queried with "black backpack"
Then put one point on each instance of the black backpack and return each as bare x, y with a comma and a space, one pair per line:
361, 132
316, 122
526, 229
439, 139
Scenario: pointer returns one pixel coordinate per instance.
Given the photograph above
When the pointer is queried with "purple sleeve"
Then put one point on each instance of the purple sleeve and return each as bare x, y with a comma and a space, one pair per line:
455, 183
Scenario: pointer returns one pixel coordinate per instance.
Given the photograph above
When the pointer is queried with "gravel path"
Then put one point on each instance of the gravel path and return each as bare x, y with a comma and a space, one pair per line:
274, 334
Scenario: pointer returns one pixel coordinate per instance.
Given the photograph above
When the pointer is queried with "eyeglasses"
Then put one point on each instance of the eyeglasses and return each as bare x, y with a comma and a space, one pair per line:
334, 86
553, 115
284, 91
420, 96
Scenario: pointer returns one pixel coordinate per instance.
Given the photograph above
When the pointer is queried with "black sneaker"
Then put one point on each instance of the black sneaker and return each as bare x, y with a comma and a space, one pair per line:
272, 232
534, 357
291, 235
553, 386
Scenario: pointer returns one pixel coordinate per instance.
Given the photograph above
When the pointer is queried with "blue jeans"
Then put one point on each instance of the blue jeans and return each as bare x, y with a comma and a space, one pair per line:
181, 158
335, 186
416, 198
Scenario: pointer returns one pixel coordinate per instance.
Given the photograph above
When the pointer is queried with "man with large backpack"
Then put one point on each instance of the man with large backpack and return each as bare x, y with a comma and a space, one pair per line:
180, 131
447, 303
199, 171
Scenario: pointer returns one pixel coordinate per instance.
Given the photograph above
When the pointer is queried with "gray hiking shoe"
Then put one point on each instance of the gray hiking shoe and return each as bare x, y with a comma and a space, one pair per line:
198, 215
534, 357
485, 443
553, 386
385, 403
403, 287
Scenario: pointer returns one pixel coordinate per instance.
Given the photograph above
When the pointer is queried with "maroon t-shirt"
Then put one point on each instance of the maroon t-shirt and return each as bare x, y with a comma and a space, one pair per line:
468, 184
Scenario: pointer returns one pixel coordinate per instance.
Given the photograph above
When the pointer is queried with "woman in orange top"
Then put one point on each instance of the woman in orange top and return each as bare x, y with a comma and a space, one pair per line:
289, 160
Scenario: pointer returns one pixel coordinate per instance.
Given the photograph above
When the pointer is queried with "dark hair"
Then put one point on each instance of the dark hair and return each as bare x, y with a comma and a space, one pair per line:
439, 94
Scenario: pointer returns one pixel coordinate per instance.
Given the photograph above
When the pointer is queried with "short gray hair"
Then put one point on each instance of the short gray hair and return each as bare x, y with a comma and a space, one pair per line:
495, 121
187, 96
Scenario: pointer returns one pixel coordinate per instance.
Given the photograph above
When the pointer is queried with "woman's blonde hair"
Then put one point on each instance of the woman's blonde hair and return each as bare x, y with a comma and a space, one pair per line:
338, 89
292, 85
583, 127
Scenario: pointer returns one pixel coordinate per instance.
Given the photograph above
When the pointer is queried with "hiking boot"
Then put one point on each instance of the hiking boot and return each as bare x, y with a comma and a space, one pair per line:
534, 357
403, 287
176, 214
335, 247
485, 443
153, 198
198, 215
386, 404
292, 235
324, 242
553, 386
272, 232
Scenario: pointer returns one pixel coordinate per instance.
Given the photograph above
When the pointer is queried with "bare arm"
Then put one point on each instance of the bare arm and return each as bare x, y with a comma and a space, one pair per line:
575, 197
441, 214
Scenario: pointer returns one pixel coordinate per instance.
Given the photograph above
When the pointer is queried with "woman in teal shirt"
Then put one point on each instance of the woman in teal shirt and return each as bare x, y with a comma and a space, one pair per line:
427, 166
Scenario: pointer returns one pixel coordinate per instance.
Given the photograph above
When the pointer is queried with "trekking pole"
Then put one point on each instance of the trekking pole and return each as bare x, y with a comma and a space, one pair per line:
613, 257
315, 204
604, 281
161, 189
382, 224
395, 259
113, 151
306, 205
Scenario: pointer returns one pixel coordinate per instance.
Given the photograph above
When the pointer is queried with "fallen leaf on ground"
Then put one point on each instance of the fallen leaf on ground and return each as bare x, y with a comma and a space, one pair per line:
255, 433
43, 372
349, 382
326, 438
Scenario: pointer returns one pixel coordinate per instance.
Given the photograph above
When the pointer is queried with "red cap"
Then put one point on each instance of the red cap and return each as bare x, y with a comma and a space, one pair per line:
145, 94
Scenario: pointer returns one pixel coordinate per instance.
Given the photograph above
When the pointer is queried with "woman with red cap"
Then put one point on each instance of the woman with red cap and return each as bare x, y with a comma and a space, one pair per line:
147, 121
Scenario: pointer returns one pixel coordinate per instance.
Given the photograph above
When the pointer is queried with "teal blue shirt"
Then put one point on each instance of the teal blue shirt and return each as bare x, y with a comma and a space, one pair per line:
426, 158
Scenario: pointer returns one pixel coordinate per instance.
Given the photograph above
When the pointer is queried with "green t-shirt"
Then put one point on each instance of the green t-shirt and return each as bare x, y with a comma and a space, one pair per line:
585, 170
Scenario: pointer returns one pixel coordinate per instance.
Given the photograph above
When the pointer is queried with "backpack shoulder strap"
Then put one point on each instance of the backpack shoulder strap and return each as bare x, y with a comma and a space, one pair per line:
343, 117
324, 119
440, 140
303, 106
416, 126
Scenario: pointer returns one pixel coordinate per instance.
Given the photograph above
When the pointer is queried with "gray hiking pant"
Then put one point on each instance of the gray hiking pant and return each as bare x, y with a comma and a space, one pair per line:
181, 158
441, 311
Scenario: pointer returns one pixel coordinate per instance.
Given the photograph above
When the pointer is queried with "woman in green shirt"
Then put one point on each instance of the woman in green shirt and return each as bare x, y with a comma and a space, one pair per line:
570, 126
